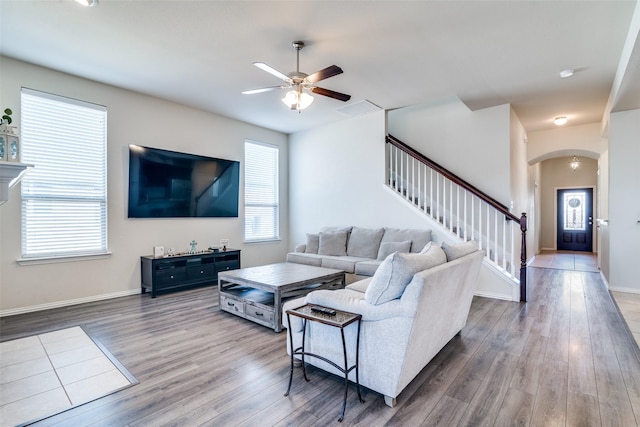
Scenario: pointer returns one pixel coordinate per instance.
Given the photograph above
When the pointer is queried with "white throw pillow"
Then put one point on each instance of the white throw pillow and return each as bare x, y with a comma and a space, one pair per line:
333, 243
364, 242
313, 242
426, 248
387, 248
397, 270
459, 250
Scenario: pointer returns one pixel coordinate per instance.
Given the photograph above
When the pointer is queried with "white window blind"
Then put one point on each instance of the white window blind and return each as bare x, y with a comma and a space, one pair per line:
261, 204
64, 197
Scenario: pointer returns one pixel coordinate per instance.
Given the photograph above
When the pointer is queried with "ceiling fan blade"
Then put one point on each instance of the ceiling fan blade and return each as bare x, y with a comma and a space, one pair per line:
269, 69
262, 89
330, 71
330, 93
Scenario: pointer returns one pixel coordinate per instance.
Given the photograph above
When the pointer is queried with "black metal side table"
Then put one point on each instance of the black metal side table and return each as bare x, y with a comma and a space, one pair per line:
338, 319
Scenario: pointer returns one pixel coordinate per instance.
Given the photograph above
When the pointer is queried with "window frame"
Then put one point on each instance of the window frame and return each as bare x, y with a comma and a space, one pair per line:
34, 194
275, 188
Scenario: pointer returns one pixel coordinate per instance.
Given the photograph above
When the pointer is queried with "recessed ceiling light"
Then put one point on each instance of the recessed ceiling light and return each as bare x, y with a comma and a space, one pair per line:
88, 3
561, 120
566, 73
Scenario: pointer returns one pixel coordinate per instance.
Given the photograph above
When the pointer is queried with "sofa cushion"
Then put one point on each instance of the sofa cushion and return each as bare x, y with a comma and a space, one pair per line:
367, 268
360, 285
419, 238
397, 270
459, 250
364, 242
313, 243
333, 243
387, 248
345, 263
302, 258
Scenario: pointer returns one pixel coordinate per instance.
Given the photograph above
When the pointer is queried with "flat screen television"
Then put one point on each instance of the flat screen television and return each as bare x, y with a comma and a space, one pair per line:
168, 184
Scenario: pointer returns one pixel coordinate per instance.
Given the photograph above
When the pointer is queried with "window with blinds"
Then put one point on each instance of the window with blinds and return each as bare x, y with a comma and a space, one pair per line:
261, 205
64, 197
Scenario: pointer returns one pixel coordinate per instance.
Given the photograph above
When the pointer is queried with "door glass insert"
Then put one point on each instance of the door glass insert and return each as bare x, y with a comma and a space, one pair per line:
574, 210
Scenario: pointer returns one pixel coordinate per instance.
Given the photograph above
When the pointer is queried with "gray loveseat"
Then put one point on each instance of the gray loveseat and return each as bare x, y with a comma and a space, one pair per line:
357, 250
411, 308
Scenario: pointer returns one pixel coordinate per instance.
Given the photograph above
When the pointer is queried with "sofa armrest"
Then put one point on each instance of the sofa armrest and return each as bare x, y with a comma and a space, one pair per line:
300, 248
354, 302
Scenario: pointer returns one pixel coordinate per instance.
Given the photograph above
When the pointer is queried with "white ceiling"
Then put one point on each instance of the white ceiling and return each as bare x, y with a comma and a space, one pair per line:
393, 53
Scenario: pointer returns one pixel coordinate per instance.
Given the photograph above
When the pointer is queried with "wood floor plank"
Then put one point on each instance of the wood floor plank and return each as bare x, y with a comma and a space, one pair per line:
583, 410
489, 398
447, 412
516, 409
564, 357
550, 407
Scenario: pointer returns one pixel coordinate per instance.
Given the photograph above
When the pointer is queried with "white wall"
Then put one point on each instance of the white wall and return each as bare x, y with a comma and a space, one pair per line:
472, 144
584, 140
624, 200
337, 178
132, 119
602, 214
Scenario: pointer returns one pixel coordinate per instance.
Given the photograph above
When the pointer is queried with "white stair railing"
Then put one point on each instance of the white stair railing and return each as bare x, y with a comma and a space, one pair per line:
460, 208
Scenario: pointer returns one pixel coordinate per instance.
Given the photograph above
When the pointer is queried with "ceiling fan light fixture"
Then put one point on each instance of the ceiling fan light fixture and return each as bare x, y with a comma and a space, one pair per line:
561, 120
297, 101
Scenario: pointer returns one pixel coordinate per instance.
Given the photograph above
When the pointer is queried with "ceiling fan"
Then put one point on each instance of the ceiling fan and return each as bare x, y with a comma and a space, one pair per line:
297, 98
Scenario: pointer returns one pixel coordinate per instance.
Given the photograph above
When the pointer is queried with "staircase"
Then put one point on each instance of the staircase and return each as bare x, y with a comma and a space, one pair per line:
462, 210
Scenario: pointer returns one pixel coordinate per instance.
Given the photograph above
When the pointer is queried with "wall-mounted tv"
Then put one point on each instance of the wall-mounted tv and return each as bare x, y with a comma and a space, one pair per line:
168, 184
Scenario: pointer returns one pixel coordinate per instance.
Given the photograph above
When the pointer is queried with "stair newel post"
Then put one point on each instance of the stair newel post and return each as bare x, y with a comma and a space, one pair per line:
523, 258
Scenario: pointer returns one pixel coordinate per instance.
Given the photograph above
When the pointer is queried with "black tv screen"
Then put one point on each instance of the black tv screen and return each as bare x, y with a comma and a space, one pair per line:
168, 184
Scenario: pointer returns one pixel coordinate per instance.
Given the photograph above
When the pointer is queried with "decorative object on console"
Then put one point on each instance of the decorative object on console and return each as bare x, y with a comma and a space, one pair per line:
194, 247
224, 243
158, 251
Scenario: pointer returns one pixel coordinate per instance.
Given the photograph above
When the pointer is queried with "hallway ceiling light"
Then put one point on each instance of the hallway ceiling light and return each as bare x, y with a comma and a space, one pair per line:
561, 120
574, 163
567, 73
88, 3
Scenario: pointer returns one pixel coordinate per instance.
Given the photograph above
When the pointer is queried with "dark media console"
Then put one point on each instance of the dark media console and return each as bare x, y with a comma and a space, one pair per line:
185, 271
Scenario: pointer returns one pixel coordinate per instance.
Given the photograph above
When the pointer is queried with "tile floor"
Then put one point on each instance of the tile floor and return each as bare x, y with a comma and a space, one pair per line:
46, 374
628, 303
563, 260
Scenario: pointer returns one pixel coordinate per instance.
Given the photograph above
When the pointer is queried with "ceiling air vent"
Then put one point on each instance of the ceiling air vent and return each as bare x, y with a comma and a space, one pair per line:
358, 108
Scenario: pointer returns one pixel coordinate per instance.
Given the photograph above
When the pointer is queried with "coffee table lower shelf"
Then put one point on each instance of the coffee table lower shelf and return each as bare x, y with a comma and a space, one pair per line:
242, 294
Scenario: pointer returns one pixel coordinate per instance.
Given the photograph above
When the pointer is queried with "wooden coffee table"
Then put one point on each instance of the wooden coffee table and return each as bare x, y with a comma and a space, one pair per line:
257, 293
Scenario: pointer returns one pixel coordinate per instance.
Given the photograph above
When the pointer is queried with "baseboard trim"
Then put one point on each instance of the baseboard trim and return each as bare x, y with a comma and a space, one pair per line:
492, 295
58, 304
626, 290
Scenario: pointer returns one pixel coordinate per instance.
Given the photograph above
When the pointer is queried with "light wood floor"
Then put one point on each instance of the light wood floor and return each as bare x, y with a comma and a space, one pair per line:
564, 358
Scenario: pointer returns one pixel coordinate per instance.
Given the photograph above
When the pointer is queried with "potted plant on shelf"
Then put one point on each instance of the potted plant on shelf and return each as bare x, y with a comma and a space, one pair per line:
5, 123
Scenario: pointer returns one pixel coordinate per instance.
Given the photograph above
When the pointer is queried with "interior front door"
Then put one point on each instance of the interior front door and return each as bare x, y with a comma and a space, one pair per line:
575, 219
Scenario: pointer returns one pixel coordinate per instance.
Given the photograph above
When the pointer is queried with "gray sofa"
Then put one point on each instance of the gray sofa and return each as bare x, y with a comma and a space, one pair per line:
411, 308
357, 250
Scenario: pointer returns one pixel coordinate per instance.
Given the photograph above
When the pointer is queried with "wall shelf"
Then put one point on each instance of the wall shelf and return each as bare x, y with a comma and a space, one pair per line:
10, 174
